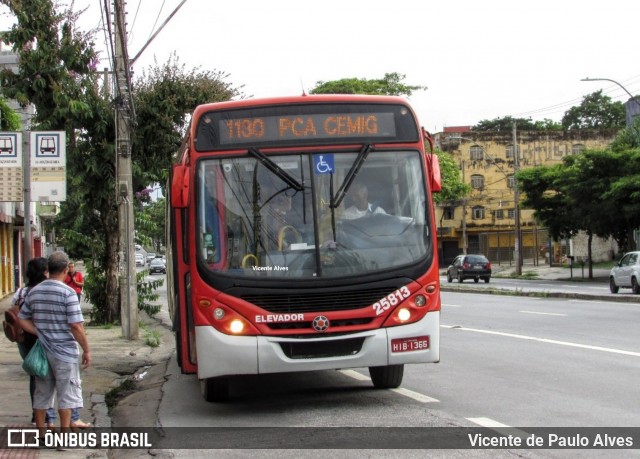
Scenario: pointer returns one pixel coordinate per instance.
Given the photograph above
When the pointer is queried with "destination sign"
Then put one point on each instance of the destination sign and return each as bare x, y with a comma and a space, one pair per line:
313, 124
269, 128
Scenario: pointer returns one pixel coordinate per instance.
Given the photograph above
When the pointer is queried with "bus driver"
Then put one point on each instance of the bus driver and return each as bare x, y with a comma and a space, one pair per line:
359, 195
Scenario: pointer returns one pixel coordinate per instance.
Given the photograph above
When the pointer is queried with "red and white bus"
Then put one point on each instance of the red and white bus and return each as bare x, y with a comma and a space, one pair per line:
301, 237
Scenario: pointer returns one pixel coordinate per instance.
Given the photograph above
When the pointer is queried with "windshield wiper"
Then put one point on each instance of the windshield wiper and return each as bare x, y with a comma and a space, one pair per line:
351, 175
273, 167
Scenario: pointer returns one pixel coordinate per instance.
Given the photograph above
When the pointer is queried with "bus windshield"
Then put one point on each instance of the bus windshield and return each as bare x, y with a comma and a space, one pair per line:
312, 215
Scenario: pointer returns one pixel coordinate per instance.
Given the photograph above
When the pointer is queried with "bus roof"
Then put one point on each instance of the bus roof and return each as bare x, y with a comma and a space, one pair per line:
303, 99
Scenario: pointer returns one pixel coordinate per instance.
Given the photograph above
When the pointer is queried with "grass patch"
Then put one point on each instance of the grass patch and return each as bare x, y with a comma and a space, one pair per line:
152, 338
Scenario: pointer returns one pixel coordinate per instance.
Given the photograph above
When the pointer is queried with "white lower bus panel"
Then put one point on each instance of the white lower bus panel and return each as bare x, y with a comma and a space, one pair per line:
225, 355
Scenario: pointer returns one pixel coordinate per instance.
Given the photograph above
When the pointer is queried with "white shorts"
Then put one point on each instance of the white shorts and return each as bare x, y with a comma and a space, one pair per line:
64, 380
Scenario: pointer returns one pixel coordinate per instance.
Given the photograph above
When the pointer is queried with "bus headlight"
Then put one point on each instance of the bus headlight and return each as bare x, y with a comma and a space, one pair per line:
218, 313
236, 326
420, 300
403, 314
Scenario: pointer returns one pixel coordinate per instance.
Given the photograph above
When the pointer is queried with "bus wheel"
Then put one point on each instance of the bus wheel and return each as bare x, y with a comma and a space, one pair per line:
388, 377
215, 389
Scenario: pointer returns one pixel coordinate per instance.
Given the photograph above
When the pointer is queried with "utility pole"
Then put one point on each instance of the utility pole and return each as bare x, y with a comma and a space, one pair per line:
516, 202
465, 242
26, 185
124, 187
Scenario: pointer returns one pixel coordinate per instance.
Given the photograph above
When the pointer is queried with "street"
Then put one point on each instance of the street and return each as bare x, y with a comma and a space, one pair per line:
506, 361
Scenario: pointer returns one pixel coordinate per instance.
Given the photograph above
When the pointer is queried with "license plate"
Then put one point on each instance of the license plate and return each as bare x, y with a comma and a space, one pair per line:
419, 343
477, 267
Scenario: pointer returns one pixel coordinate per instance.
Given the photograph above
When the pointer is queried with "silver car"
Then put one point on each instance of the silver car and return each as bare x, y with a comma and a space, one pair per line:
626, 273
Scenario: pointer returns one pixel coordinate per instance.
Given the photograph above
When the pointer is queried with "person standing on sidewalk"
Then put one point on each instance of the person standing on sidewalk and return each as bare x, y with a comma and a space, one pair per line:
75, 280
36, 272
52, 311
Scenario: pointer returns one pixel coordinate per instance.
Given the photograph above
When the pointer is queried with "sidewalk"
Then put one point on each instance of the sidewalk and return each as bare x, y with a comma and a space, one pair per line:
114, 360
577, 273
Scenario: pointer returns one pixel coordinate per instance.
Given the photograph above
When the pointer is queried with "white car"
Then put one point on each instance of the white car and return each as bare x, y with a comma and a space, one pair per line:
626, 273
139, 259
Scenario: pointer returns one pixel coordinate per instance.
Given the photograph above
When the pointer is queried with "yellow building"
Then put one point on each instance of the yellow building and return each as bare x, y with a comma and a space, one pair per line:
486, 217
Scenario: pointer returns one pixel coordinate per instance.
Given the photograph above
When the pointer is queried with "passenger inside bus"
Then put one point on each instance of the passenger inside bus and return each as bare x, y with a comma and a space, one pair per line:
279, 234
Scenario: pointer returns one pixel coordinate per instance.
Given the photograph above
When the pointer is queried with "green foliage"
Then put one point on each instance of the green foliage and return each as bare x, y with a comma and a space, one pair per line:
390, 85
628, 138
146, 295
165, 96
595, 111
151, 224
58, 76
9, 119
595, 191
453, 187
505, 124
153, 338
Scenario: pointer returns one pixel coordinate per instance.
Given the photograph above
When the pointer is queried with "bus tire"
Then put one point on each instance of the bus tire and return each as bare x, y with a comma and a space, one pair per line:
388, 377
215, 389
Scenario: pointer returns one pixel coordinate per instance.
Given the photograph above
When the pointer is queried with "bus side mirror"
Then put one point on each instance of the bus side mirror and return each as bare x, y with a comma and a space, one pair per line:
434, 173
433, 163
180, 186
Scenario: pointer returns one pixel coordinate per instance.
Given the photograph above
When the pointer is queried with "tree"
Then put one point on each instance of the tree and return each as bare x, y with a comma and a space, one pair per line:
153, 229
628, 138
390, 85
596, 191
595, 111
505, 124
453, 188
57, 74
9, 119
165, 95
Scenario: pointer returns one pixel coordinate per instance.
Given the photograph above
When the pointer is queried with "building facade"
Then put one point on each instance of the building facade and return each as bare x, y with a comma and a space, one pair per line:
485, 221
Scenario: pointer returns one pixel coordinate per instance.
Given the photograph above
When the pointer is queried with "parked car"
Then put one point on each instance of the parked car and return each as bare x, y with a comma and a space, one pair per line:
474, 267
150, 256
626, 273
139, 259
157, 266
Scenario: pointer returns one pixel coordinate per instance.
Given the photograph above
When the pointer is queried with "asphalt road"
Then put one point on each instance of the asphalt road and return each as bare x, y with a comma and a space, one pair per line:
506, 361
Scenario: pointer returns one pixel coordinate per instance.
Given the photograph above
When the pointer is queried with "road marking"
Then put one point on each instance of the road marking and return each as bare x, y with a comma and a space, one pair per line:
499, 427
544, 313
546, 340
487, 422
402, 391
414, 395
355, 375
452, 305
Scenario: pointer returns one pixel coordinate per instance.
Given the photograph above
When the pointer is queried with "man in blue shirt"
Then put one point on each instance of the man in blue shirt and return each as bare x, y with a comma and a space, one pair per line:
52, 311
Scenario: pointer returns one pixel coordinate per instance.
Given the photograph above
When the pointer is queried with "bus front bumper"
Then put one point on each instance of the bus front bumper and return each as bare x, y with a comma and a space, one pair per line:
225, 355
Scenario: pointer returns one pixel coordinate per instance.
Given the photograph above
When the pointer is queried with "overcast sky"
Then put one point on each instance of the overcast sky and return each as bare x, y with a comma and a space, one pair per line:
479, 59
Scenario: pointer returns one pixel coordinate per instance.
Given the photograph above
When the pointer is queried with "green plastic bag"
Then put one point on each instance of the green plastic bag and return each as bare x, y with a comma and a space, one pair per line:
36, 362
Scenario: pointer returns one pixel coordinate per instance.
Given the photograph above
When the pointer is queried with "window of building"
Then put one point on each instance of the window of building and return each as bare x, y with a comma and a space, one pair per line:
448, 213
499, 214
477, 213
511, 181
512, 213
476, 153
577, 148
509, 151
477, 181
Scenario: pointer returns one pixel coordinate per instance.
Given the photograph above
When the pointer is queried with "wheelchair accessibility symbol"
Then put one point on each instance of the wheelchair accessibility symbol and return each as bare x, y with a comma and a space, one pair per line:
323, 164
